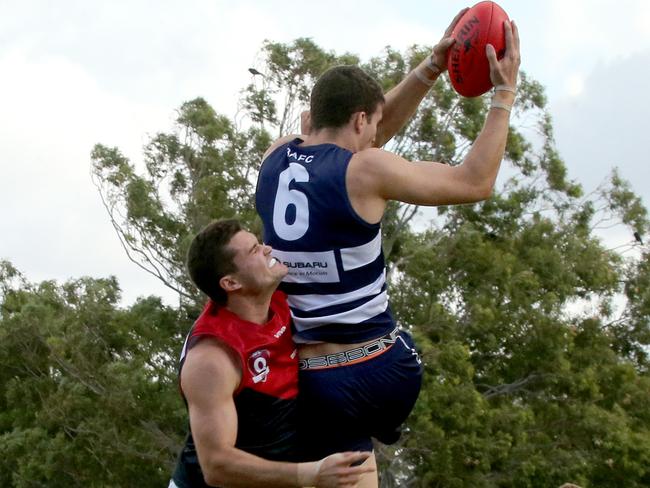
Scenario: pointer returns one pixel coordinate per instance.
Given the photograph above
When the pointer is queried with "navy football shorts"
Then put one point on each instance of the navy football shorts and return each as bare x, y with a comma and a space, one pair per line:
343, 406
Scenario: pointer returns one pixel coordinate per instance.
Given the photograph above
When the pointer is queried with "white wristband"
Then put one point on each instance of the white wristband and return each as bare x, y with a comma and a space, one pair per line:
424, 79
433, 67
505, 88
503, 106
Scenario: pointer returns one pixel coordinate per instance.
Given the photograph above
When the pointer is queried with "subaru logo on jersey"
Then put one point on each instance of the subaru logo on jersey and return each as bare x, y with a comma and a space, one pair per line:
309, 267
313, 264
299, 157
258, 365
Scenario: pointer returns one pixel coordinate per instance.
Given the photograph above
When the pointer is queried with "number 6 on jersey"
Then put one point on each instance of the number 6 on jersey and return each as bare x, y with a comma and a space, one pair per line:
285, 197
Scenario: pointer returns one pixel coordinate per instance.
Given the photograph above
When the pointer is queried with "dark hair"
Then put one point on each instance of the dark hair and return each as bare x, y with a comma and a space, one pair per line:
209, 259
340, 92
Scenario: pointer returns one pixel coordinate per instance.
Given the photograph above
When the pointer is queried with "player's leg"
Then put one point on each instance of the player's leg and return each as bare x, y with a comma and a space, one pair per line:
369, 480
398, 379
328, 415
342, 407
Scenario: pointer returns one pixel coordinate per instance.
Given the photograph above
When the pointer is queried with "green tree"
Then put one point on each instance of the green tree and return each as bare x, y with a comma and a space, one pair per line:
203, 170
89, 394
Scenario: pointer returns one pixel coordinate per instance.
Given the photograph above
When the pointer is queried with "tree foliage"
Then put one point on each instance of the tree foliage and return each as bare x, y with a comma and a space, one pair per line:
534, 332
89, 393
203, 170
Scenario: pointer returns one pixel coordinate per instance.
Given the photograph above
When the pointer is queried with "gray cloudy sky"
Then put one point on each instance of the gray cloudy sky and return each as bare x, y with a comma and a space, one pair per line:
74, 73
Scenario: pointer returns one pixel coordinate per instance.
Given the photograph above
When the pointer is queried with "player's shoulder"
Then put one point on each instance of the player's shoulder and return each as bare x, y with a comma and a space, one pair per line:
373, 160
372, 169
213, 352
209, 364
281, 142
371, 153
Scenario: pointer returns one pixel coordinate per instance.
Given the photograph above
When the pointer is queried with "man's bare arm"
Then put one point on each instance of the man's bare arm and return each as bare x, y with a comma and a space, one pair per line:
376, 176
403, 100
209, 378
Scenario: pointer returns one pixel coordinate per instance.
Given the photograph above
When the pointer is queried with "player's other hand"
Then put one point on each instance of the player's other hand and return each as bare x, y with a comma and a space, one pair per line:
439, 55
335, 470
504, 71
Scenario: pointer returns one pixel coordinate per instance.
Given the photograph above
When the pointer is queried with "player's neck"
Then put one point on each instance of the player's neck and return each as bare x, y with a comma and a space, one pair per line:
252, 308
341, 137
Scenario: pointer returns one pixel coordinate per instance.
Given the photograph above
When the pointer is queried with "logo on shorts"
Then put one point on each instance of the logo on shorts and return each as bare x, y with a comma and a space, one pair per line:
258, 365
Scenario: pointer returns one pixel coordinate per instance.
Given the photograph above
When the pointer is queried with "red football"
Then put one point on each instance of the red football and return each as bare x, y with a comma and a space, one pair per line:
469, 69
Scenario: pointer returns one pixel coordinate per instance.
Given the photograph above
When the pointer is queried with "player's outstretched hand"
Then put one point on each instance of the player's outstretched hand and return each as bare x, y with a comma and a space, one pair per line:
439, 56
504, 71
335, 470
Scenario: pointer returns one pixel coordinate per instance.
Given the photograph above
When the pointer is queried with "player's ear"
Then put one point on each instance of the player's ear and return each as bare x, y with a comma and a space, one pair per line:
229, 283
359, 119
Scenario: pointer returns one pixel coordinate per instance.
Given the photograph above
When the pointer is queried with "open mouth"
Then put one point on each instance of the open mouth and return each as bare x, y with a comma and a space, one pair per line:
272, 262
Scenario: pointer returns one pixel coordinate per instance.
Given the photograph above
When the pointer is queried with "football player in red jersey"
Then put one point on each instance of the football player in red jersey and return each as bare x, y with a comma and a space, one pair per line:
239, 374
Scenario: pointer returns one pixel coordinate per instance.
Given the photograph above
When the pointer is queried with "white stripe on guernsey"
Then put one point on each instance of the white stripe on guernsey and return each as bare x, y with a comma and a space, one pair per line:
309, 267
366, 311
314, 301
184, 351
172, 484
355, 257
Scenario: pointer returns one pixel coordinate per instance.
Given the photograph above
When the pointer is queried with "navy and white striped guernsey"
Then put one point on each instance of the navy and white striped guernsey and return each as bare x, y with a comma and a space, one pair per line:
337, 278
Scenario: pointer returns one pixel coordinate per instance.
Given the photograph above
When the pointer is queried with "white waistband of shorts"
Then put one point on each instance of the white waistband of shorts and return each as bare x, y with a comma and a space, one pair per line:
351, 356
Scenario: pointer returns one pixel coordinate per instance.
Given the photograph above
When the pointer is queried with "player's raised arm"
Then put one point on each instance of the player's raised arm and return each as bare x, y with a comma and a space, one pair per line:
376, 176
209, 379
403, 100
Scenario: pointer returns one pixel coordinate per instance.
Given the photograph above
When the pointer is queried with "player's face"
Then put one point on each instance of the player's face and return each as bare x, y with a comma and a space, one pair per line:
257, 270
370, 132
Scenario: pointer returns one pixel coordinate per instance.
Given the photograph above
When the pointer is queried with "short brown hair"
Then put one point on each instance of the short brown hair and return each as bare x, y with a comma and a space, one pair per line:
209, 258
340, 92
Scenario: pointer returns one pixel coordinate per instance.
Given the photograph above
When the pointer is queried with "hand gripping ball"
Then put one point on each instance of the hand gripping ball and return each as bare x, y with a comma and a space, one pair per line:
469, 69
